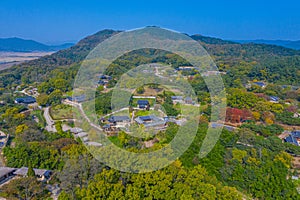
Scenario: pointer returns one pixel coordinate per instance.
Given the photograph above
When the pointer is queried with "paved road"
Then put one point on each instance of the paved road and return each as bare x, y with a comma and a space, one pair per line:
1, 163
157, 72
79, 106
50, 123
88, 119
112, 113
2, 134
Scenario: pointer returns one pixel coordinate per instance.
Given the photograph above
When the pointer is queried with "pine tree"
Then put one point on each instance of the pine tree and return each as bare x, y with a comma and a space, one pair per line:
30, 172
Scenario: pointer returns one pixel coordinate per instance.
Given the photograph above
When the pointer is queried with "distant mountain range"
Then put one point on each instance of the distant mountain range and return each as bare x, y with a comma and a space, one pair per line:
21, 45
283, 43
222, 50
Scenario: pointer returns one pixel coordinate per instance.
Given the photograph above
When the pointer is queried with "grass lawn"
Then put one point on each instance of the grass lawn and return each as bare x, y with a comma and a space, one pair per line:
119, 113
70, 93
189, 109
39, 115
62, 111
122, 113
89, 110
146, 112
115, 140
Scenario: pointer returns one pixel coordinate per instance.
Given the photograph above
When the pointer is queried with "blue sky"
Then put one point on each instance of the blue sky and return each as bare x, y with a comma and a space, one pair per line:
70, 20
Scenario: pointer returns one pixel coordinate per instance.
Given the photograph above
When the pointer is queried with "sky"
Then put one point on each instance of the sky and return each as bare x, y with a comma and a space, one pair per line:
70, 20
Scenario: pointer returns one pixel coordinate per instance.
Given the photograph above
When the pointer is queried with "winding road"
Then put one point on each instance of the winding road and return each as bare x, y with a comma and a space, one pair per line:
79, 106
50, 123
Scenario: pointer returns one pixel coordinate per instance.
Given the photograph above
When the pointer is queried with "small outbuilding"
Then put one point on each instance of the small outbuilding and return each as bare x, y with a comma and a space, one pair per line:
188, 100
143, 104
260, 84
177, 99
274, 99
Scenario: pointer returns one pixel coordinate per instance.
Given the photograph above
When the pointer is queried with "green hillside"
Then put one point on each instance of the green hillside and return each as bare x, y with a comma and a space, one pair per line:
241, 61
250, 160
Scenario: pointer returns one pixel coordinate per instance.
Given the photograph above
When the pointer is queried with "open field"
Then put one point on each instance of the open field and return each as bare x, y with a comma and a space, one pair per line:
150, 112
61, 112
8, 59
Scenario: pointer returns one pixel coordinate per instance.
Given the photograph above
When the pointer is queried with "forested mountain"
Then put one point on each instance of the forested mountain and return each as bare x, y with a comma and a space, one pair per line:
268, 63
210, 40
22, 45
283, 43
241, 61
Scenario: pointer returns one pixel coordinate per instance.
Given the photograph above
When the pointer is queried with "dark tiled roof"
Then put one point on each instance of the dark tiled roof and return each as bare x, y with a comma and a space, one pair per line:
6, 170
150, 121
80, 98
106, 126
39, 172
26, 100
273, 98
143, 102
76, 130
101, 82
113, 119
105, 77
216, 125
177, 98
261, 84
146, 118
291, 139
296, 134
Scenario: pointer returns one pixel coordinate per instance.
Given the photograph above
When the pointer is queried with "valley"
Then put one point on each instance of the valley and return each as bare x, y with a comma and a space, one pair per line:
259, 139
8, 59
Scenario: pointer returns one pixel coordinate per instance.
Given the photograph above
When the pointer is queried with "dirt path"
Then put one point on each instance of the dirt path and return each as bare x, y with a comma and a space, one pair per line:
290, 128
296, 162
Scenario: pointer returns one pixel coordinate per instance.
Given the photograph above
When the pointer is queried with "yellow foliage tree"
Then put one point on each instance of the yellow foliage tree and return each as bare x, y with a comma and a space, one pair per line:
285, 158
256, 115
21, 128
238, 154
268, 121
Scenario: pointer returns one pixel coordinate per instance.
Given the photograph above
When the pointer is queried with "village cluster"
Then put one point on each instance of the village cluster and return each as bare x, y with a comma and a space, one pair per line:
141, 114
115, 123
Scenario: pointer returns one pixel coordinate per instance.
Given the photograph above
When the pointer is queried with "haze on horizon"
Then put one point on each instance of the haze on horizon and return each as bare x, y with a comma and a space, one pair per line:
69, 21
